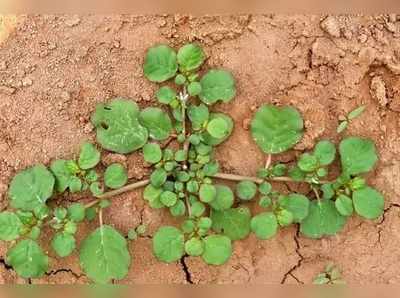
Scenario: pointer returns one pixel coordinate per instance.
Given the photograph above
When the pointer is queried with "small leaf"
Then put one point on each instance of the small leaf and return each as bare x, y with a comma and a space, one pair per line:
61, 173
160, 63
190, 57
104, 255
357, 155
297, 204
179, 209
96, 189
356, 112
198, 115
284, 217
76, 212
327, 191
275, 129
307, 162
180, 79
264, 225
152, 153
246, 190
168, 244
342, 126
10, 226
157, 122
168, 198
27, 259
217, 249
265, 188
75, 184
194, 89
198, 209
344, 205
368, 202
296, 174
158, 177
207, 193
63, 244
325, 152
165, 95
234, 223
217, 85
31, 188
224, 198
118, 127
213, 141
218, 128
194, 247
115, 176
89, 156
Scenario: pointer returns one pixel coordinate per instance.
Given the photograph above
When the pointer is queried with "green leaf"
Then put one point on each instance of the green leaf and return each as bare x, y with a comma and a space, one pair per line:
76, 212
27, 259
217, 85
115, 176
165, 95
198, 115
356, 112
297, 204
168, 198
75, 184
234, 223
63, 244
327, 191
265, 188
307, 162
207, 193
168, 244
217, 249
218, 128
264, 225
61, 173
10, 226
89, 156
357, 155
104, 255
180, 79
276, 129
194, 89
158, 177
279, 170
284, 217
213, 141
96, 189
325, 152
265, 202
91, 176
368, 202
194, 247
296, 174
157, 122
118, 127
179, 209
152, 153
190, 57
342, 126
323, 219
344, 205
31, 188
198, 209
224, 198
160, 63
246, 190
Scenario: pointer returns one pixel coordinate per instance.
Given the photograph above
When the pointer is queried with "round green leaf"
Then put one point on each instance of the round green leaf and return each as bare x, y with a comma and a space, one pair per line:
368, 202
207, 193
63, 244
160, 63
10, 226
31, 188
323, 219
180, 79
165, 95
104, 255
115, 176
296, 204
118, 127
357, 155
168, 198
96, 189
344, 205
61, 173
264, 225
158, 177
276, 129
198, 209
246, 190
265, 202
213, 141
151, 193
218, 128
234, 223
198, 115
307, 162
157, 122
194, 89
265, 188
194, 247
190, 57
152, 153
168, 244
75, 184
217, 85
179, 209
76, 212
217, 249
27, 259
224, 198
325, 152
89, 156
284, 217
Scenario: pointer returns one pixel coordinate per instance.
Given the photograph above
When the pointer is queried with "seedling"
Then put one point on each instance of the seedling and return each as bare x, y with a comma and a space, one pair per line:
353, 114
331, 275
186, 180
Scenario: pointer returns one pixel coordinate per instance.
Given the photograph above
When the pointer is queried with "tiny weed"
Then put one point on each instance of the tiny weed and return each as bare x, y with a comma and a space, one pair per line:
331, 275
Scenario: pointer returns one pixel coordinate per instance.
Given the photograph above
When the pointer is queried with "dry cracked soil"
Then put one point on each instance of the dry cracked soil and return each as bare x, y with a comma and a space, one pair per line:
54, 69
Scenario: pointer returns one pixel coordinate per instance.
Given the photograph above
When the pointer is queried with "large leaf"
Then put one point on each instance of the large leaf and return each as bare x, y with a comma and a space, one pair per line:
224, 198
368, 202
63, 244
118, 127
157, 122
217, 249
323, 219
325, 152
27, 259
234, 223
276, 129
297, 204
168, 244
104, 255
31, 188
264, 225
160, 63
10, 226
190, 57
209, 139
357, 155
217, 85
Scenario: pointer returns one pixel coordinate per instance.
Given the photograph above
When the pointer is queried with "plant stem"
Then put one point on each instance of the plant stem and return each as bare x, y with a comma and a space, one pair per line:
101, 217
268, 162
234, 177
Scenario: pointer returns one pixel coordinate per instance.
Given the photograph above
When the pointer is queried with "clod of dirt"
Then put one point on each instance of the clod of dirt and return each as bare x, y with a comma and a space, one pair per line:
137, 167
7, 90
26, 82
3, 65
325, 52
331, 26
73, 21
111, 158
378, 91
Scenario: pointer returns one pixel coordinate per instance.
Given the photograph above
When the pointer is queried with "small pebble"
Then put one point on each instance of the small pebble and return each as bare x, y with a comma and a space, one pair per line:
3, 65
27, 82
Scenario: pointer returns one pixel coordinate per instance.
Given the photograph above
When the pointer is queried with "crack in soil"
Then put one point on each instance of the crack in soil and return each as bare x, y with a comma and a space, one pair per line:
380, 230
299, 261
7, 267
64, 270
185, 269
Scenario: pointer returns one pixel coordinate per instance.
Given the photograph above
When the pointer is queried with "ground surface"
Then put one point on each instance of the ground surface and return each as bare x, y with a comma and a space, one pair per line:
54, 69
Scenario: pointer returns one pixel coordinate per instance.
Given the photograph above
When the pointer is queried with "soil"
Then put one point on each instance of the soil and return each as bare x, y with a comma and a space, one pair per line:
54, 69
